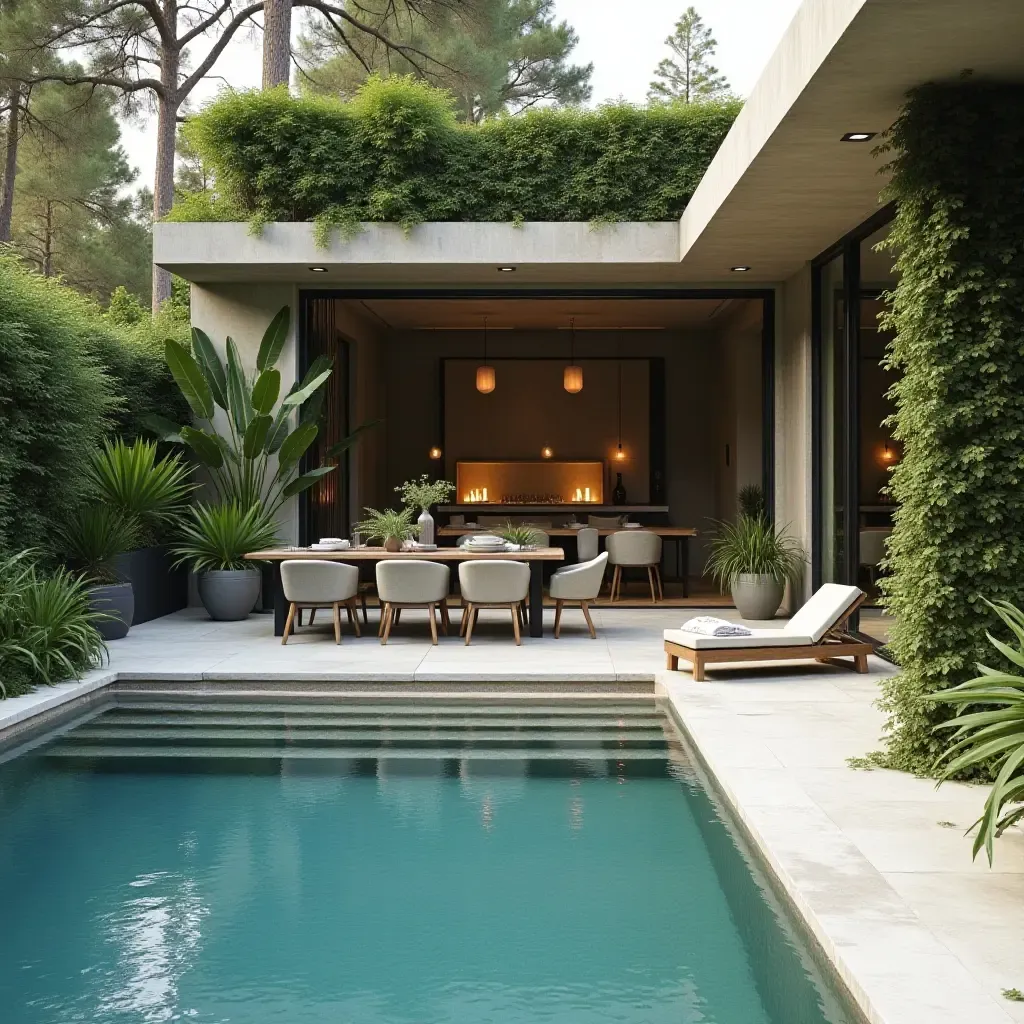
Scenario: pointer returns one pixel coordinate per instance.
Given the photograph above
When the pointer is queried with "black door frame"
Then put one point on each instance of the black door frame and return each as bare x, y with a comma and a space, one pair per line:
768, 313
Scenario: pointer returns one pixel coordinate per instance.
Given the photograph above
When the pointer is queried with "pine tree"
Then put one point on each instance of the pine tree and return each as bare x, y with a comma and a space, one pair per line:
690, 77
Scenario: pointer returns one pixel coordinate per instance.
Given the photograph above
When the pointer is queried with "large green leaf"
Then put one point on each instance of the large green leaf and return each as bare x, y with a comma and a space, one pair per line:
279, 431
296, 443
206, 446
342, 446
299, 396
273, 340
301, 483
265, 392
255, 436
212, 367
190, 379
163, 427
238, 391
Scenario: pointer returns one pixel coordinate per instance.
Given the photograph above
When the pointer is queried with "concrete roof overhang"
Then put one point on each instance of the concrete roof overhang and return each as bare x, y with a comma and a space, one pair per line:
781, 188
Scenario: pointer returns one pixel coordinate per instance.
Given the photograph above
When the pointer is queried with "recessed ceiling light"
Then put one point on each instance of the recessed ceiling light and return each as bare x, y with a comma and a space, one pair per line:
739, 270
506, 270
319, 270
858, 136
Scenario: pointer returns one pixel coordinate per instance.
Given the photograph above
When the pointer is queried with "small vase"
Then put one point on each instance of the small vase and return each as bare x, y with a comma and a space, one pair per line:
393, 544
426, 525
619, 493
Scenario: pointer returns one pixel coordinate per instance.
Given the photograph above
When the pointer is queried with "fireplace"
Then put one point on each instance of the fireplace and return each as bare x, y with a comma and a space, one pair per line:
529, 483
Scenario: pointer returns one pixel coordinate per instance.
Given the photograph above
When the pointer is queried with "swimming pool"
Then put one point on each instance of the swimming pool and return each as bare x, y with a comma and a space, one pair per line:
360, 863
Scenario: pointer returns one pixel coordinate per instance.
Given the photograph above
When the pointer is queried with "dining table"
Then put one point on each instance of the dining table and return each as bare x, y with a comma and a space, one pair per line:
535, 558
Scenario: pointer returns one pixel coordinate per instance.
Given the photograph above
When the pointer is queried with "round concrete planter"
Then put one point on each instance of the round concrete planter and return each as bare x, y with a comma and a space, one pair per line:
117, 601
229, 594
757, 596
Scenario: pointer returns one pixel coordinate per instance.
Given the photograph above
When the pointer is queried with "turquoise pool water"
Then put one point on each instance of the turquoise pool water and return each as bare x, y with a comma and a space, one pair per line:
360, 864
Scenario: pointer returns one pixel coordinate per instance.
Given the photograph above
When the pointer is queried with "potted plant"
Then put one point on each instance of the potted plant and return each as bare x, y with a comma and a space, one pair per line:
523, 535
754, 560
214, 541
92, 540
153, 491
391, 528
422, 494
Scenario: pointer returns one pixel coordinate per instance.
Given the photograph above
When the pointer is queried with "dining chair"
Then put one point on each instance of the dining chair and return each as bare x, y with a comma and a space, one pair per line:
635, 548
315, 583
412, 584
493, 584
578, 584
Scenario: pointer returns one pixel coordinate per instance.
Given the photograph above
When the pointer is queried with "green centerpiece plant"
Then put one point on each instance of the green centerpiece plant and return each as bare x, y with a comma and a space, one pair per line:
214, 541
523, 535
391, 528
754, 560
422, 494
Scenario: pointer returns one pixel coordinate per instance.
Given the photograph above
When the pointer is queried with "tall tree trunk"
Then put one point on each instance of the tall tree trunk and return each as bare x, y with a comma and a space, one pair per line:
10, 165
163, 186
277, 42
48, 241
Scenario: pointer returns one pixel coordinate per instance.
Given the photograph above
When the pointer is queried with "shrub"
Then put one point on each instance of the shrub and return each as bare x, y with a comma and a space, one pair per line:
216, 537
958, 318
47, 631
395, 153
68, 377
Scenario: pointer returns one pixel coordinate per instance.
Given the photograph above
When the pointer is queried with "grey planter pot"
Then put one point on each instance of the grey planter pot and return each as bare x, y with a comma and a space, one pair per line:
117, 601
756, 596
158, 587
229, 594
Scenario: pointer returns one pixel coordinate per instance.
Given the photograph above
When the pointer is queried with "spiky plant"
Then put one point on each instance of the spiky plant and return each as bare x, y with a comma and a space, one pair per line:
219, 536
753, 545
387, 524
993, 736
751, 501
522, 534
94, 537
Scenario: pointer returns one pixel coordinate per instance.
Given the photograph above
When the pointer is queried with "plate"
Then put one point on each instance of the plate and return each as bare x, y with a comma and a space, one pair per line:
631, 526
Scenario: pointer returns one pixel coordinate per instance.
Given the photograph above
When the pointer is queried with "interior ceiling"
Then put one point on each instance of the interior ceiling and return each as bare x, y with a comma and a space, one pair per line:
804, 189
510, 314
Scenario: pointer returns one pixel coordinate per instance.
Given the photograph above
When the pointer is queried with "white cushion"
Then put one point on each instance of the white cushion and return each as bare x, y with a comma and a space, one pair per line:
318, 581
757, 638
412, 582
579, 582
825, 608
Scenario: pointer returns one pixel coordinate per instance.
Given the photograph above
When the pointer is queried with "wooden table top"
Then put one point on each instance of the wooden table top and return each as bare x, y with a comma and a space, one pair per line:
368, 554
565, 531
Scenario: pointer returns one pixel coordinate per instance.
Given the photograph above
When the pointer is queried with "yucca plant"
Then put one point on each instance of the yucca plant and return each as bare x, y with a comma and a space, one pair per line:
388, 525
522, 534
752, 545
94, 537
216, 537
130, 477
994, 736
260, 423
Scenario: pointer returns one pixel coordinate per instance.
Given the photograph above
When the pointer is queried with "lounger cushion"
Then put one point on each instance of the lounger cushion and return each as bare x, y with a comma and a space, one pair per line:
825, 608
757, 638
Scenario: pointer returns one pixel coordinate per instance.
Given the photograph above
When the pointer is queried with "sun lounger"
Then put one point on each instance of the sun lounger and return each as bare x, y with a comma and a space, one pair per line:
817, 631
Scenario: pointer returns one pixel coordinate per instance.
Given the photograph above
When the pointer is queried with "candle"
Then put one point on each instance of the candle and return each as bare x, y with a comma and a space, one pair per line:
485, 494
586, 496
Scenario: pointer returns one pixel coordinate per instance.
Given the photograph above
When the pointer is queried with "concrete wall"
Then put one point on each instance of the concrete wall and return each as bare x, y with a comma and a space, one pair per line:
793, 426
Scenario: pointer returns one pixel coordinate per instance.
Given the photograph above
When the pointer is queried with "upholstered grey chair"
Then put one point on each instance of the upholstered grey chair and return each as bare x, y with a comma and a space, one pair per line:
412, 584
493, 584
578, 584
315, 583
587, 544
638, 548
604, 522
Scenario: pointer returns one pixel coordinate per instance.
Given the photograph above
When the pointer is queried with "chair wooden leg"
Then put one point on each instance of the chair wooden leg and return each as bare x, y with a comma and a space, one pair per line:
353, 616
657, 578
585, 605
433, 624
470, 622
466, 610
362, 601
396, 616
515, 623
337, 622
558, 617
445, 621
288, 623
616, 582
521, 612
388, 619
650, 580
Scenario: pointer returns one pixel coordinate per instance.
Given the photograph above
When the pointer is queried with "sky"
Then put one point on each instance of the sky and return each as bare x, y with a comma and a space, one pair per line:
624, 51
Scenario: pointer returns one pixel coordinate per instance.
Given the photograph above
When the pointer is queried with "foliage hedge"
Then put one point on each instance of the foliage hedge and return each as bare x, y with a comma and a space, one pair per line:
958, 317
68, 376
396, 153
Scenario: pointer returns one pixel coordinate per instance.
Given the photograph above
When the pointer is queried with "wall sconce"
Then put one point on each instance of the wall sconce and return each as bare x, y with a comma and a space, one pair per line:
887, 455
546, 453
572, 378
435, 453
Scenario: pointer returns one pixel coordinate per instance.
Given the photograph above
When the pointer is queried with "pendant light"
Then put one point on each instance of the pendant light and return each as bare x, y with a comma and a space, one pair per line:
485, 378
620, 455
572, 378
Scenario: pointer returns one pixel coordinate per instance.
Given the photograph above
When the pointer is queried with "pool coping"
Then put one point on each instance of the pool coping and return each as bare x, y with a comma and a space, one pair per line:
893, 968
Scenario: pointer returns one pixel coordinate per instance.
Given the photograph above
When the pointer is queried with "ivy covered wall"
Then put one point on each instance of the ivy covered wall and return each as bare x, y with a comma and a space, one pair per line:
958, 314
396, 153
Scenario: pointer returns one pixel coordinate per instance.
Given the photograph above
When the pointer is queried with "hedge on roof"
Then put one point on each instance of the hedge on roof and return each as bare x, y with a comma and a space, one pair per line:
396, 153
958, 317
